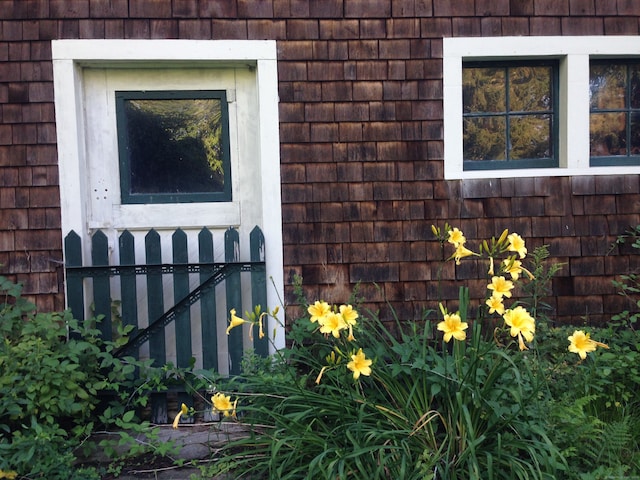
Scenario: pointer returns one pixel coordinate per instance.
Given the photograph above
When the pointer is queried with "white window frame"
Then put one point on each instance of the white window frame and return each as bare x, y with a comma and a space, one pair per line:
573, 54
71, 59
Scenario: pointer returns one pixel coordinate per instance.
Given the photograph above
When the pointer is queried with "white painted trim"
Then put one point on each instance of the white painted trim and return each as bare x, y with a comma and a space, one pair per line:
71, 151
574, 53
267, 78
154, 51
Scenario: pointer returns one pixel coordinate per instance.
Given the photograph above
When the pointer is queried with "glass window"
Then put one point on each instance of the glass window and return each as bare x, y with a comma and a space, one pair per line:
173, 146
614, 119
509, 115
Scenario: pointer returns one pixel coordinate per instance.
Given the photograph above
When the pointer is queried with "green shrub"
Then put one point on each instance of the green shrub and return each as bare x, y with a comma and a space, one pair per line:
52, 372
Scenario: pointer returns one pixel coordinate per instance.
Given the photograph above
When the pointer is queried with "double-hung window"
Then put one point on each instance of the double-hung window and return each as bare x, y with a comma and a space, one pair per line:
541, 106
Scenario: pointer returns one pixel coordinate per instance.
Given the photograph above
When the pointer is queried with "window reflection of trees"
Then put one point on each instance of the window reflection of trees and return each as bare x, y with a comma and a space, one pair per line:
614, 99
508, 112
175, 145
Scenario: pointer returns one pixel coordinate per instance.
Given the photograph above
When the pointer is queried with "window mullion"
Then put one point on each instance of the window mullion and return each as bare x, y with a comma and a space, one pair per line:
574, 111
627, 107
507, 120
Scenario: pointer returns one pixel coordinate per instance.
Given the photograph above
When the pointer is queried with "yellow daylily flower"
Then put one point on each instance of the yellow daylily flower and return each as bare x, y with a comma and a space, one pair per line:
490, 271
318, 310
349, 315
456, 237
260, 327
183, 411
522, 325
453, 326
495, 304
332, 323
582, 344
516, 244
235, 320
513, 268
501, 287
222, 403
359, 365
319, 377
461, 252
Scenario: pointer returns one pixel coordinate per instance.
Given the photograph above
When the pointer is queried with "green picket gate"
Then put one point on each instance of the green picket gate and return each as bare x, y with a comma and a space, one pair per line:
195, 290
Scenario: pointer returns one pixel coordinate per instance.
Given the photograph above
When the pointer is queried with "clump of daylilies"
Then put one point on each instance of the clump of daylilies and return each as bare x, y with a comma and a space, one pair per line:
503, 274
334, 321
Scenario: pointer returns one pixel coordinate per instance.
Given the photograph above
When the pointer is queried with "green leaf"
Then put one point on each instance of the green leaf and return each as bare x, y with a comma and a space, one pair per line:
128, 416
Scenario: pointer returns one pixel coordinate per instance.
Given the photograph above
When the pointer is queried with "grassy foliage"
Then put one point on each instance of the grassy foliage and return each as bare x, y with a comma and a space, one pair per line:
494, 406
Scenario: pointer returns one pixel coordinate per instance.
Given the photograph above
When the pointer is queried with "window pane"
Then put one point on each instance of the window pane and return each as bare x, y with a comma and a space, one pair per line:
530, 89
483, 90
508, 114
607, 86
175, 145
635, 133
634, 78
484, 138
608, 134
530, 137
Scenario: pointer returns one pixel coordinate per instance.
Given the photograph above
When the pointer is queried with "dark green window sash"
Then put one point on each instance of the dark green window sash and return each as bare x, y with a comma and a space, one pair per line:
508, 116
192, 182
628, 158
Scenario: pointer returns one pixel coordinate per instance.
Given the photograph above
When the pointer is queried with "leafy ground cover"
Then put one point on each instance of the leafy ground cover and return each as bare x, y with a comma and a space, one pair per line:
481, 388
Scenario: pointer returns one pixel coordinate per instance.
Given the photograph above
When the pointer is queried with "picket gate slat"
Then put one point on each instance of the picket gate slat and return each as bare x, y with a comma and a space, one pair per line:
207, 303
128, 284
101, 284
180, 291
75, 288
234, 299
259, 289
183, 318
155, 296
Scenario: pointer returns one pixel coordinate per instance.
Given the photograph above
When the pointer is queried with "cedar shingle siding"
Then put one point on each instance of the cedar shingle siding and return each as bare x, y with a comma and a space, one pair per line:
360, 85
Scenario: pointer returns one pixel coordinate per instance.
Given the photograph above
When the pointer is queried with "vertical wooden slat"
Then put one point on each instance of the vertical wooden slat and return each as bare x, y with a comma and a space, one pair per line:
259, 288
155, 297
101, 283
180, 291
128, 287
234, 299
155, 303
75, 290
183, 319
208, 304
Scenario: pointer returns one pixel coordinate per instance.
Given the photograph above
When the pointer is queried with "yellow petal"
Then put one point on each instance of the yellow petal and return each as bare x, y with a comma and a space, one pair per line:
177, 419
235, 320
319, 377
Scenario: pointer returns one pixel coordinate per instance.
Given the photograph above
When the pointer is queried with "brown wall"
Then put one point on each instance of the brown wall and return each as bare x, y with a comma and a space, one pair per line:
361, 142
